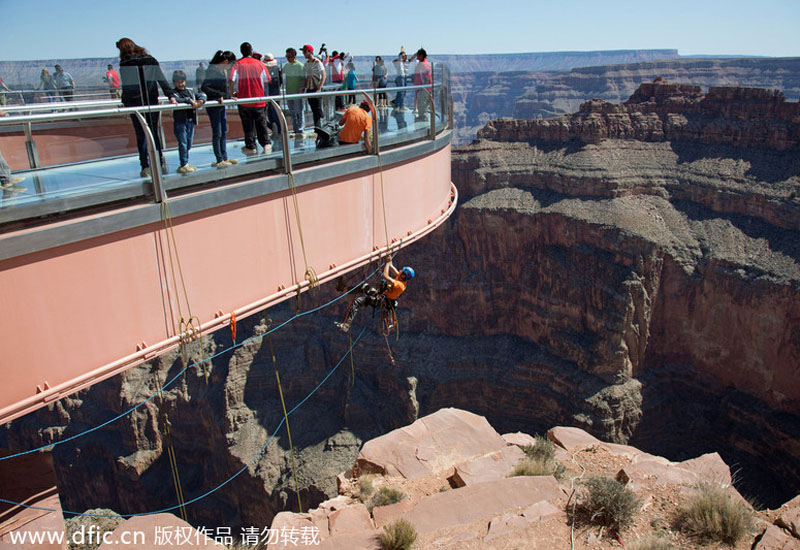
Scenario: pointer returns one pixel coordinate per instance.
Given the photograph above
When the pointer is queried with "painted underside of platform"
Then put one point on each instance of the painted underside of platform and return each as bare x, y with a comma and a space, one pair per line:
82, 311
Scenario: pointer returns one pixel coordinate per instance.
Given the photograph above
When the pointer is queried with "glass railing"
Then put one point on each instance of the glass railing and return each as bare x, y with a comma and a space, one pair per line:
81, 154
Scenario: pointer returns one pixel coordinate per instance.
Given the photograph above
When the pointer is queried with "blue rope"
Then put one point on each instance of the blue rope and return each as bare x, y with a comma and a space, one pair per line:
221, 485
165, 386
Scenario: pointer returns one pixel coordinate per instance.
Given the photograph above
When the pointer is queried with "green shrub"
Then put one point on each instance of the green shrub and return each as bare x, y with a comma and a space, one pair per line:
398, 535
365, 488
606, 501
711, 514
542, 449
652, 542
386, 496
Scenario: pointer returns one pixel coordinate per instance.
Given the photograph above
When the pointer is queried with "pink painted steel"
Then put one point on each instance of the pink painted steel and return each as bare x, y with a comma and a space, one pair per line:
81, 310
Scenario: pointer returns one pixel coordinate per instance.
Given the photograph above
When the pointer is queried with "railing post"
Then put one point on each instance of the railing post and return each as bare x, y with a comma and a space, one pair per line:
155, 160
287, 157
30, 146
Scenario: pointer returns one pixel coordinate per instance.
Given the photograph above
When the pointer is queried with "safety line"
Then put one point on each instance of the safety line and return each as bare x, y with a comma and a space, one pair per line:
174, 378
221, 485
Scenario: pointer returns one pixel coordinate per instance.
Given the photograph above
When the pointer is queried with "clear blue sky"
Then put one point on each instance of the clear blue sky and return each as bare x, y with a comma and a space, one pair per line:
172, 30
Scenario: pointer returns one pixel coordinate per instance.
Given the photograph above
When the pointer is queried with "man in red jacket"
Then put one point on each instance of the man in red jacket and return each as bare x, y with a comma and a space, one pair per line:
112, 79
249, 78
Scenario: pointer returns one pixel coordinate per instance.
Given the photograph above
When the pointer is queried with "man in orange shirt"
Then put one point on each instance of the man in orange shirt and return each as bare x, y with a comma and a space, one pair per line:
356, 121
392, 286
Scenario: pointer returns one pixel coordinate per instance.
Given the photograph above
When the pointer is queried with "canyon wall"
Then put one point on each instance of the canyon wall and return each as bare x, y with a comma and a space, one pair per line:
600, 272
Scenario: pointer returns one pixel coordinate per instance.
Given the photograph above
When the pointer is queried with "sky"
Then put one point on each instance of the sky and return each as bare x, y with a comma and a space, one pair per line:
48, 29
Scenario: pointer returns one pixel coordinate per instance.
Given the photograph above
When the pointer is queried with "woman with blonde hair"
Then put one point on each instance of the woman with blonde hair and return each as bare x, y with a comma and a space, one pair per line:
46, 83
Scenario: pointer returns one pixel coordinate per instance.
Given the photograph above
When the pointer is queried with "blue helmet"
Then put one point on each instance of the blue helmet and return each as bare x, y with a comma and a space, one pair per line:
408, 272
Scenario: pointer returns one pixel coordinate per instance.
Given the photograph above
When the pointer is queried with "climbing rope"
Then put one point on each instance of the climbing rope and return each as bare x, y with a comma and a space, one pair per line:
310, 275
179, 374
166, 438
383, 203
572, 493
224, 483
267, 321
188, 329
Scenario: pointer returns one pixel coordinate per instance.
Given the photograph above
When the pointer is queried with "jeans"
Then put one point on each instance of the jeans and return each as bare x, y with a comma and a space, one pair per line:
184, 133
400, 98
254, 124
141, 143
316, 109
296, 110
219, 131
273, 119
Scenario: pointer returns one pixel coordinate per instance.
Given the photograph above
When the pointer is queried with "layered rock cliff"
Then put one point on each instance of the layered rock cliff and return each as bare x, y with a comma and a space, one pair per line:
644, 286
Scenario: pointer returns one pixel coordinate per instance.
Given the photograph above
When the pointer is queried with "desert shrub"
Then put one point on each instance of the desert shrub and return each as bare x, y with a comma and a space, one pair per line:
538, 467
652, 542
398, 535
711, 514
386, 496
365, 488
542, 449
606, 501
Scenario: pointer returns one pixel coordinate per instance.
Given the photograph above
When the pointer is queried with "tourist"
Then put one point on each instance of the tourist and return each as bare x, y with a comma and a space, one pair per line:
249, 78
8, 182
199, 75
273, 89
315, 79
356, 122
350, 81
112, 79
64, 83
401, 79
379, 72
3, 91
423, 74
393, 285
215, 87
141, 76
184, 120
293, 76
335, 63
46, 83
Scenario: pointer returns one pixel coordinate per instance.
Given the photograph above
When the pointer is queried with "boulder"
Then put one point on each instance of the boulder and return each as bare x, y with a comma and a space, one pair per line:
351, 519
496, 465
709, 466
472, 503
775, 538
571, 439
519, 439
789, 516
652, 470
429, 446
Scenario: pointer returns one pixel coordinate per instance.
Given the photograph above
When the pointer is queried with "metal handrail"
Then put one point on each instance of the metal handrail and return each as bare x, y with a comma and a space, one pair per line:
117, 111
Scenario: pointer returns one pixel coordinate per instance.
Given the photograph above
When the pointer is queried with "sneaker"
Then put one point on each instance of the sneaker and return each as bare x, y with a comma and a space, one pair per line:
191, 167
184, 169
145, 173
232, 161
249, 151
12, 188
13, 182
220, 164
267, 148
344, 327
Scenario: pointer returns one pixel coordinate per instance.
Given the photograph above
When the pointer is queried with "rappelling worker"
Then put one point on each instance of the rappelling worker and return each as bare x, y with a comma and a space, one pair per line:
393, 285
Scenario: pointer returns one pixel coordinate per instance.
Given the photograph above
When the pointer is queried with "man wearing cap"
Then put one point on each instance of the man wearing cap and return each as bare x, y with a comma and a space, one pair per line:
357, 121
64, 83
249, 78
315, 78
294, 74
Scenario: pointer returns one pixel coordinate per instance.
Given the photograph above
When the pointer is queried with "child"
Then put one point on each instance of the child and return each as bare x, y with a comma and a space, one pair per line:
184, 119
350, 82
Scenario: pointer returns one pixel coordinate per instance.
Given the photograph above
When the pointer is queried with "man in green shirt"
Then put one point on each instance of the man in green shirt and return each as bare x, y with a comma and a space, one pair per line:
293, 74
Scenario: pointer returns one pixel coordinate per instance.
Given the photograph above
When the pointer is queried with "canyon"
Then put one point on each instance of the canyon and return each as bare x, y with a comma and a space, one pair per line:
630, 269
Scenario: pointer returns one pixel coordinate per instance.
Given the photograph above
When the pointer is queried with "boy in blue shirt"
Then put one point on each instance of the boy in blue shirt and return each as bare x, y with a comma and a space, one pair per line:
184, 120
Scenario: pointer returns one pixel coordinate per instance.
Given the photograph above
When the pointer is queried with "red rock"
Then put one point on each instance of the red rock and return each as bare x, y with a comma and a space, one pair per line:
789, 516
662, 474
475, 502
709, 466
496, 465
507, 523
352, 519
431, 445
159, 531
350, 541
519, 439
776, 539
542, 511
571, 439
